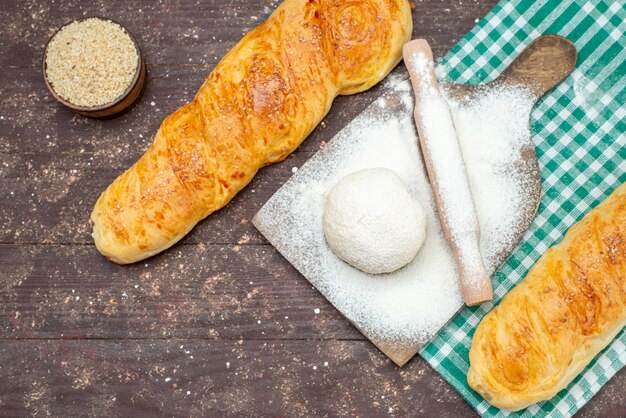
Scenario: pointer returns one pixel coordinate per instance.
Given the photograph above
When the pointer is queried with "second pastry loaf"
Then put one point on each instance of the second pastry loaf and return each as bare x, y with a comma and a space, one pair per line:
259, 103
569, 307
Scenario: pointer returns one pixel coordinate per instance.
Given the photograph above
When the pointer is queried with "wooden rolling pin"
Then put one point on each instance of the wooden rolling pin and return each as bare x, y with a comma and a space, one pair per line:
446, 171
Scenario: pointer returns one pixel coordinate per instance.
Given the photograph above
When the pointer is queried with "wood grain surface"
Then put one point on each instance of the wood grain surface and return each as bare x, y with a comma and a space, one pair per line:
221, 324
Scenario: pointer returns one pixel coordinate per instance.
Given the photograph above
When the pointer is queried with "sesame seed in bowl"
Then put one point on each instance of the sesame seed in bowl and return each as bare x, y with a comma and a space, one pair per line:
94, 66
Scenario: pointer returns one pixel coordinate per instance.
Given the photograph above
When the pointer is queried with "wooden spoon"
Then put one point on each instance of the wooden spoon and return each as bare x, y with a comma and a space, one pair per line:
446, 171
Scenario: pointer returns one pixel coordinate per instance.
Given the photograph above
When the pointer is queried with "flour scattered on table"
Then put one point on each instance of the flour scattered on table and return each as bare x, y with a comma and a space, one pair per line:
406, 306
393, 79
409, 306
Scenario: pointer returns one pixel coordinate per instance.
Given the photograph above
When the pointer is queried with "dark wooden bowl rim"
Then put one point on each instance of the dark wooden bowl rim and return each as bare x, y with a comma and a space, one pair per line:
105, 106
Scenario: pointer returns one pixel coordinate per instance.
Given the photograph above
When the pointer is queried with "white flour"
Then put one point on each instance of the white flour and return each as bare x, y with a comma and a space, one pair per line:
406, 306
447, 168
492, 129
409, 306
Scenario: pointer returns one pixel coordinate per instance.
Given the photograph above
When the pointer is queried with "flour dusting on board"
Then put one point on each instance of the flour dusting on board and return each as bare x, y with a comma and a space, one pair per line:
406, 306
409, 306
493, 129
440, 146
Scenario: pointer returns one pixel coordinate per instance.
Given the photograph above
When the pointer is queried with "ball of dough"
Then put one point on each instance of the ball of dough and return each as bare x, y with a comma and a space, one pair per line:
373, 222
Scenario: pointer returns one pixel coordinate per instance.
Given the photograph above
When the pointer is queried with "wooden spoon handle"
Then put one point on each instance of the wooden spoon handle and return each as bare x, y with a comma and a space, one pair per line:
446, 171
542, 65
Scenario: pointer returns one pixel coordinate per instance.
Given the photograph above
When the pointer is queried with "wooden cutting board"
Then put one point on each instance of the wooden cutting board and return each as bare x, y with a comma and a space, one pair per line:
291, 219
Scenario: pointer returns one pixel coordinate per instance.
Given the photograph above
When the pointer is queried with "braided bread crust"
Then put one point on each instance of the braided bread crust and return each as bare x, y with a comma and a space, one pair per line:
569, 307
256, 107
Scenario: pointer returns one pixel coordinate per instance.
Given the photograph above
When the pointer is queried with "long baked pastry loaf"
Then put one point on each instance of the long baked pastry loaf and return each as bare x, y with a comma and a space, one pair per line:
257, 105
569, 307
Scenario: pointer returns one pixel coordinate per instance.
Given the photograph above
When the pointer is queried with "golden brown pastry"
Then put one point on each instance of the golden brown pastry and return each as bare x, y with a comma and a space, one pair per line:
569, 307
259, 103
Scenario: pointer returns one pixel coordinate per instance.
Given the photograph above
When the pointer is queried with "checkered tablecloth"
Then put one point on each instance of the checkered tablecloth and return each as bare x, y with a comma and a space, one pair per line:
579, 130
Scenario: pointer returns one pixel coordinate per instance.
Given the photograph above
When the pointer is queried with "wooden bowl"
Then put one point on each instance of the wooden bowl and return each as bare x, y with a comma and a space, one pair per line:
124, 102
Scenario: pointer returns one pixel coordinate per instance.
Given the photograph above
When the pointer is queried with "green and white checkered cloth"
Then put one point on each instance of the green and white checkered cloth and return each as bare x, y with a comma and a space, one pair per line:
579, 130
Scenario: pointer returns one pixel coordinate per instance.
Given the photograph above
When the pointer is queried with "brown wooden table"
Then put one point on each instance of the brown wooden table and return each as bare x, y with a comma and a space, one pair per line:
218, 325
